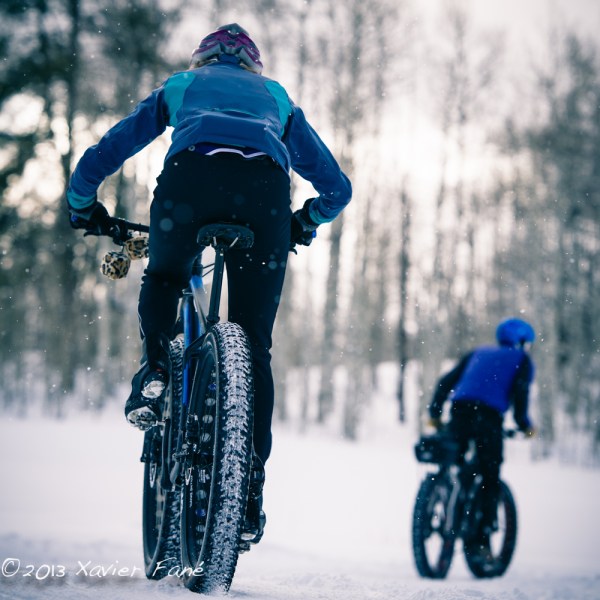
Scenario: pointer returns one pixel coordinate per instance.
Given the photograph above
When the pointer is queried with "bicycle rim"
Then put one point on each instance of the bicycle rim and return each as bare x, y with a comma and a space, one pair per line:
216, 478
161, 507
433, 547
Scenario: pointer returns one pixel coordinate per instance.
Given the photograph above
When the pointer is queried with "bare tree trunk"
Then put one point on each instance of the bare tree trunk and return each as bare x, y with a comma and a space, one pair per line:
295, 340
404, 260
65, 348
329, 349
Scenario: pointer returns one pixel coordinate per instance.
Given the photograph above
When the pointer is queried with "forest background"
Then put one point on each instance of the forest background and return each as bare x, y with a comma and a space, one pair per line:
473, 145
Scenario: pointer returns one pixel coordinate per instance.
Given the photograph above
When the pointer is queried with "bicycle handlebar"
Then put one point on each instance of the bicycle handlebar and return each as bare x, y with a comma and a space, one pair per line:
507, 432
120, 230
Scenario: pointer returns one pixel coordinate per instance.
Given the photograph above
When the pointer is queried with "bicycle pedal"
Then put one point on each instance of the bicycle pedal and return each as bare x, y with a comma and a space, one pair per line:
244, 547
142, 418
154, 389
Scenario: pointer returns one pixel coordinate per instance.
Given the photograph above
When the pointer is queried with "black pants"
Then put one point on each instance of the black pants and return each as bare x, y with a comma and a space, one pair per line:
194, 190
482, 424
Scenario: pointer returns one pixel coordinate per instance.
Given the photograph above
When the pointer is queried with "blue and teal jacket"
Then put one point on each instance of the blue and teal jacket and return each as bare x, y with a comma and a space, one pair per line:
221, 104
495, 376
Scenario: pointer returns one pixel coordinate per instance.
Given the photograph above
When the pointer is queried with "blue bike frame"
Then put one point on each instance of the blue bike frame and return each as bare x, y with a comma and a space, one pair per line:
197, 316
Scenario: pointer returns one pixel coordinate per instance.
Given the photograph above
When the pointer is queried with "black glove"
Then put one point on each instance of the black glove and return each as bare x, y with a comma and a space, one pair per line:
434, 423
95, 220
528, 430
303, 228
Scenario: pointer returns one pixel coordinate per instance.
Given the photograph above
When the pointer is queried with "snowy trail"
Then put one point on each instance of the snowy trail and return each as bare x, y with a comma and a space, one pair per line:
338, 520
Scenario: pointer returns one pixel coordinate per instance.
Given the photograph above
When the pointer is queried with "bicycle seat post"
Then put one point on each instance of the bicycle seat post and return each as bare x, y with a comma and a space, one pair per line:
221, 236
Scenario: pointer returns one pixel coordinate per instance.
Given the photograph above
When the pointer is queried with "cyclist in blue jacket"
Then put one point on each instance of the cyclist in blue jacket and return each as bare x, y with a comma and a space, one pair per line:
236, 135
482, 387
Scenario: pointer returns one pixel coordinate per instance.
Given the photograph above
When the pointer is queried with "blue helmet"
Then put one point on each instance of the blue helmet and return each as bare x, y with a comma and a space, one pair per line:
514, 332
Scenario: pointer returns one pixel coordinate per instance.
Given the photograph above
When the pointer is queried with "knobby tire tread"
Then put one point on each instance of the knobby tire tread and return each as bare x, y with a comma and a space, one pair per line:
231, 466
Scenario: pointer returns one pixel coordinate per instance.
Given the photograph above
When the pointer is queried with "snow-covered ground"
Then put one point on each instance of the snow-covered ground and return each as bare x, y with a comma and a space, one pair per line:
338, 519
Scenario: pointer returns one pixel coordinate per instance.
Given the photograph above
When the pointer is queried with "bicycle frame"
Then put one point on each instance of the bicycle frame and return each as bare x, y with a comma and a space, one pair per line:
461, 497
194, 322
463, 477
197, 319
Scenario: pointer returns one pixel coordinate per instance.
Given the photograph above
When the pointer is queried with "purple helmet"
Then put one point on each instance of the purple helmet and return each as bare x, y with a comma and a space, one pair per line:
232, 40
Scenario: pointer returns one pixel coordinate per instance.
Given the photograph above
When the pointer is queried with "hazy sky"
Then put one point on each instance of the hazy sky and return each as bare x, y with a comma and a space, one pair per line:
526, 21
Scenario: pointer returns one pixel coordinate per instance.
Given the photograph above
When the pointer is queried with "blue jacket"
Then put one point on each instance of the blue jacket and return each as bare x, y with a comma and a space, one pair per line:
495, 376
223, 104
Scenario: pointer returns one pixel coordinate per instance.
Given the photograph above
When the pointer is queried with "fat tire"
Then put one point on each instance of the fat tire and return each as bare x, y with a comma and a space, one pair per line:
433, 495
506, 540
216, 479
162, 507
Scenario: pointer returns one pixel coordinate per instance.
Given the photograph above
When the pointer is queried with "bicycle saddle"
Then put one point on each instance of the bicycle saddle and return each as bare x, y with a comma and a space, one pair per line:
225, 234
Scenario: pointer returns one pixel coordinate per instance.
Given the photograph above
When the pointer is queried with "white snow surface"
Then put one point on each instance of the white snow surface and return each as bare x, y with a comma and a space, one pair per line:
339, 517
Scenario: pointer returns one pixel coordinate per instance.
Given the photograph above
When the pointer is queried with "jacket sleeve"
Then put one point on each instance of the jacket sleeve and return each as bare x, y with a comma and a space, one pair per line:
313, 161
147, 121
520, 393
445, 385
